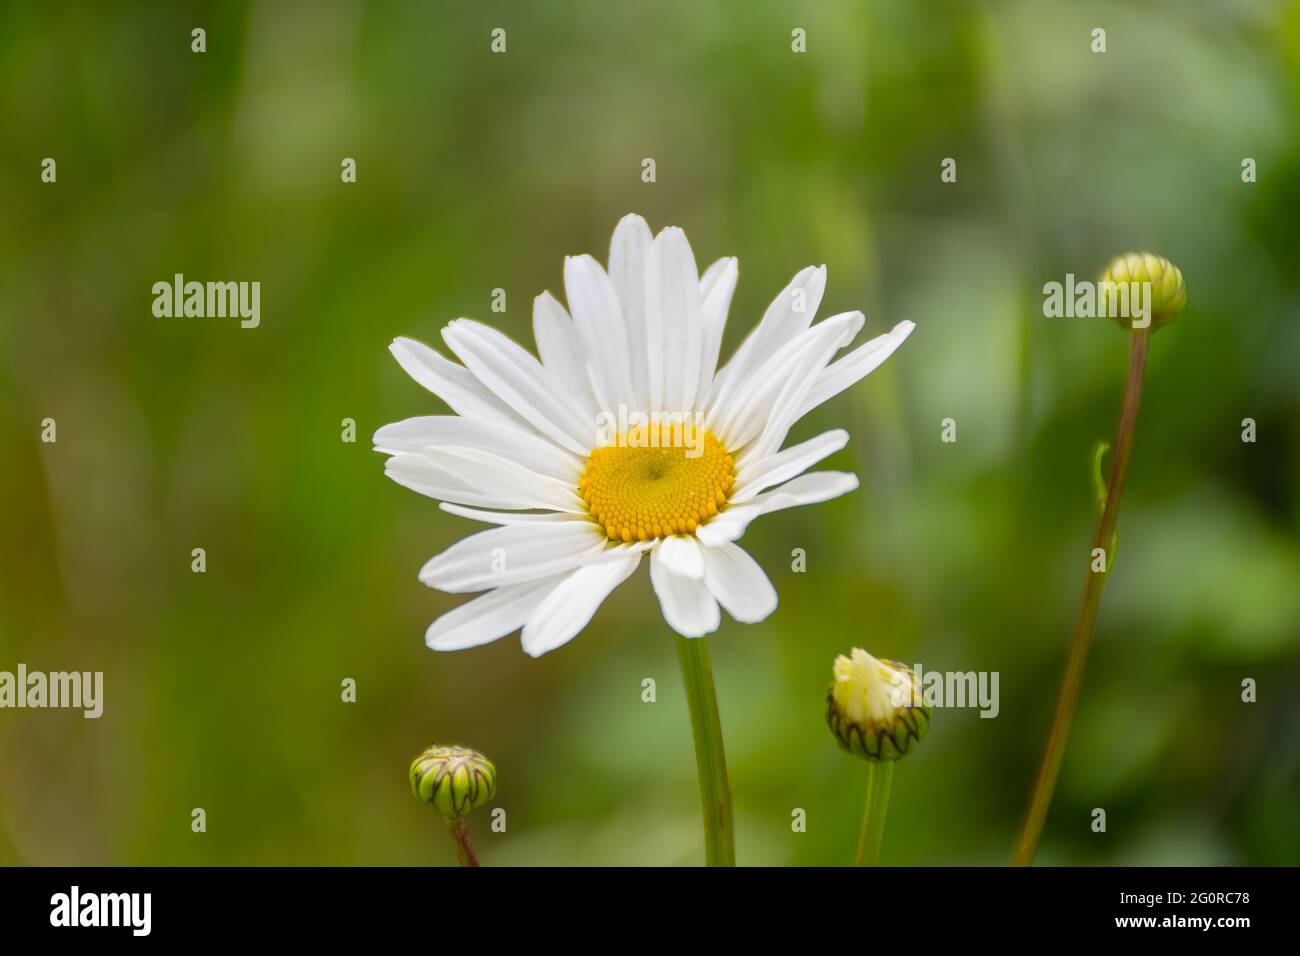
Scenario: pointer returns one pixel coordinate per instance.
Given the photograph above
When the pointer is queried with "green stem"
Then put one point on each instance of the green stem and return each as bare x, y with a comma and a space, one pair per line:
879, 776
1067, 700
459, 830
710, 760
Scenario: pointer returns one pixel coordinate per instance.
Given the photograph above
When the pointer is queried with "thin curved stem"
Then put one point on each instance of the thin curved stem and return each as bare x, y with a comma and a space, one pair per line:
1067, 700
710, 760
459, 830
879, 777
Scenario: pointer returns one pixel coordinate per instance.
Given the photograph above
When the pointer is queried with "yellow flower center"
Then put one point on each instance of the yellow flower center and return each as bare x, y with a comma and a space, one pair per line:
657, 480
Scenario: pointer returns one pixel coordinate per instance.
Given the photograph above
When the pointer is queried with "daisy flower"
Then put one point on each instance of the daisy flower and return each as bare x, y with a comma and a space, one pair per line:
622, 440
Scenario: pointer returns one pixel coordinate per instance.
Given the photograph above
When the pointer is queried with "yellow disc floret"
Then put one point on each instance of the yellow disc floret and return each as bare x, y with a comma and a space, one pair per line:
657, 480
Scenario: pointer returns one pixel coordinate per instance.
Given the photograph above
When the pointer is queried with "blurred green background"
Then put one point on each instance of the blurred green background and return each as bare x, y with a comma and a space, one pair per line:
478, 171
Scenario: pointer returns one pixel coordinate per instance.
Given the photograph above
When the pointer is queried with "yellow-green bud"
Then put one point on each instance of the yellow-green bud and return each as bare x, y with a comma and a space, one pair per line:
1168, 293
874, 707
455, 780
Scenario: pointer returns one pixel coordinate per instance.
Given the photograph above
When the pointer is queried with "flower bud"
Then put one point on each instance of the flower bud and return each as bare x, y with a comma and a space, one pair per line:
874, 707
1168, 294
455, 780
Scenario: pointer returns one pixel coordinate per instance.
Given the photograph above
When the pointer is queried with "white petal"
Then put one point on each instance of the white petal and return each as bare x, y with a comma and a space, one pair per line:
803, 378
628, 251
511, 482
782, 322
508, 517
739, 584
520, 381
718, 276
419, 473
674, 329
687, 605
489, 616
454, 384
716, 288
786, 464
512, 554
561, 352
570, 607
776, 389
809, 489
530, 451
680, 553
855, 366
598, 316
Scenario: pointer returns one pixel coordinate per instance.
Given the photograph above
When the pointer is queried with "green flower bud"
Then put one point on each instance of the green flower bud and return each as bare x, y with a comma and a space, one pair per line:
1168, 293
874, 707
455, 780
